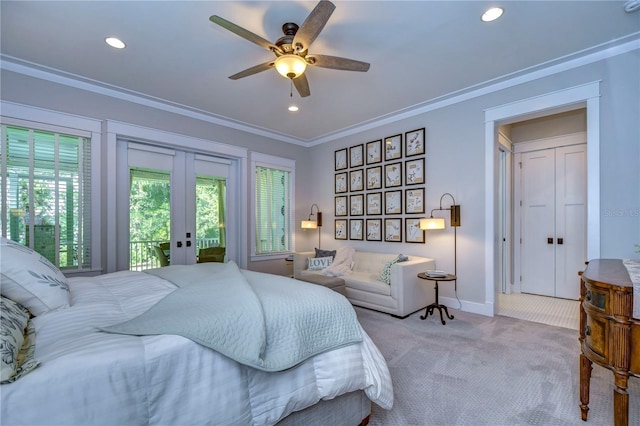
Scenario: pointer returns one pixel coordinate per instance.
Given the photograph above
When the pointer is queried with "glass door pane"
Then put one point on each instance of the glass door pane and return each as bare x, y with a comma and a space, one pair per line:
149, 218
211, 195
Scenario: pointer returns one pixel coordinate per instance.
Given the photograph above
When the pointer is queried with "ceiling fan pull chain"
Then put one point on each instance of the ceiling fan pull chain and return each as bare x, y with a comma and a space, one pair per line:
291, 88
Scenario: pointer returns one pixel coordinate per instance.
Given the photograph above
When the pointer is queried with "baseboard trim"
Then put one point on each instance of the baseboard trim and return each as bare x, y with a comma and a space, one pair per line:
485, 309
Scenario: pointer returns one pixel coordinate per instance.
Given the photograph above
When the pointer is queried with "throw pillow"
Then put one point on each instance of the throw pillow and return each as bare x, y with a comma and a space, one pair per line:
30, 279
317, 263
325, 253
385, 275
17, 342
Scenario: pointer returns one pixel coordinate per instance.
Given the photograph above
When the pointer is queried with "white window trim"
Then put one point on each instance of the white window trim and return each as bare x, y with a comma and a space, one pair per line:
115, 131
286, 164
13, 113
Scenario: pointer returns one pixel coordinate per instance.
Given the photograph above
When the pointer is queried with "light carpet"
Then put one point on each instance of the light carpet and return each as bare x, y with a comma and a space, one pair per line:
479, 370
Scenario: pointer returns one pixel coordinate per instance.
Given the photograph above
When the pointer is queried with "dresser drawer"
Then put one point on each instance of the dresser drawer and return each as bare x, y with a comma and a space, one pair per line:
596, 334
597, 298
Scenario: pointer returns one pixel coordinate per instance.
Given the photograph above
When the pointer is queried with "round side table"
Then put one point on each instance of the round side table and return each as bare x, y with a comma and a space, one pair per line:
436, 305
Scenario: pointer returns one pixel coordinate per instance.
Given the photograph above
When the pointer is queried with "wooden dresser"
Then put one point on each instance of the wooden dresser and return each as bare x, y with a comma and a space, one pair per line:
609, 335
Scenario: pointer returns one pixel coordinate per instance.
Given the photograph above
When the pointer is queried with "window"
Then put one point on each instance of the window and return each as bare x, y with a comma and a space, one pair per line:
46, 195
273, 205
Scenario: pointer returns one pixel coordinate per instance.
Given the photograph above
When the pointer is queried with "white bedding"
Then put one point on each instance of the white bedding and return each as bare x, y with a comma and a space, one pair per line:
90, 377
633, 268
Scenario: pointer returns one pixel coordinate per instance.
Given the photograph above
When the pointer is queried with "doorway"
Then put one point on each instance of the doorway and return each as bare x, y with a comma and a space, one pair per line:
550, 214
585, 96
175, 206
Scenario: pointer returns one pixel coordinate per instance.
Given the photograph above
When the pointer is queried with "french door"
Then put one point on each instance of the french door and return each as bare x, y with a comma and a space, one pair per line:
171, 204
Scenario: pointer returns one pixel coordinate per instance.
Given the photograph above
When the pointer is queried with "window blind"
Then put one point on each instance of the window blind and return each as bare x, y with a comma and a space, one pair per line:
46, 196
273, 217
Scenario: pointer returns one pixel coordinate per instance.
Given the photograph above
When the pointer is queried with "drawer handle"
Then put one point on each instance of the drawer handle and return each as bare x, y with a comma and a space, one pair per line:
587, 331
588, 295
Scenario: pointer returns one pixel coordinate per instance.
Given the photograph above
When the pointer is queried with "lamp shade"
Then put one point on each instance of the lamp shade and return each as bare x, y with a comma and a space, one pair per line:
309, 224
432, 223
290, 66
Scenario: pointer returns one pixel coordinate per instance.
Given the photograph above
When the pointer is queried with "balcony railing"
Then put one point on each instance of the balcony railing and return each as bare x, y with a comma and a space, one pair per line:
142, 254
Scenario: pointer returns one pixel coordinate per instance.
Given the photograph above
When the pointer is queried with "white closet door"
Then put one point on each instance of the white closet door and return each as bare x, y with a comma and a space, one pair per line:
553, 220
571, 216
538, 227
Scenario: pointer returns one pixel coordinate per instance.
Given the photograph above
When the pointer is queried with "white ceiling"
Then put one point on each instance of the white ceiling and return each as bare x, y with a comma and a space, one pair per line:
419, 51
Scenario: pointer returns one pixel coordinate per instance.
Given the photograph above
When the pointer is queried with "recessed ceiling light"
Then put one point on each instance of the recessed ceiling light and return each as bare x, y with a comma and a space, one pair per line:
293, 108
492, 14
115, 42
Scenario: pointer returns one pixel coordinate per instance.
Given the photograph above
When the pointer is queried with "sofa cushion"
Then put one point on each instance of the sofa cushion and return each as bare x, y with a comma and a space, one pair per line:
316, 263
367, 282
371, 262
325, 253
385, 275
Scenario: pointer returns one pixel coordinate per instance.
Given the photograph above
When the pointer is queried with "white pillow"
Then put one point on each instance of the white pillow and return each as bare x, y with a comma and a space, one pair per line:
317, 263
30, 279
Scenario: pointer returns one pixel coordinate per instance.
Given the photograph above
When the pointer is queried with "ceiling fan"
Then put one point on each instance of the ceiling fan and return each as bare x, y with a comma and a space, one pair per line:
292, 49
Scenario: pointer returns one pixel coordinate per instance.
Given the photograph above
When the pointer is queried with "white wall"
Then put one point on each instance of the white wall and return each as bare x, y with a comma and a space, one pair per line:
455, 163
454, 160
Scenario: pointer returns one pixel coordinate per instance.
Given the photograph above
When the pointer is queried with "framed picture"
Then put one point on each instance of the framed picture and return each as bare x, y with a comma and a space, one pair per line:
374, 229
341, 229
393, 202
393, 147
355, 229
341, 205
413, 233
414, 142
393, 230
414, 172
374, 152
392, 175
374, 177
374, 203
356, 156
356, 205
356, 180
341, 159
414, 200
341, 182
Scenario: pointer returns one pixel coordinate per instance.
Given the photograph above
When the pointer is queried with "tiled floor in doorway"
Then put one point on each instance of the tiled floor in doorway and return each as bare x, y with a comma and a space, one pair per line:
542, 309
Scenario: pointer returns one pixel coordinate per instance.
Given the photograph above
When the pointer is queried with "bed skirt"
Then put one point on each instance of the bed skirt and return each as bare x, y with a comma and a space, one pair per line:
350, 409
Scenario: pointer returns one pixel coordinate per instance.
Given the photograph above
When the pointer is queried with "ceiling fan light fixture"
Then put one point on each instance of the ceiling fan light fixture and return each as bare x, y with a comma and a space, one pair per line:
290, 66
492, 14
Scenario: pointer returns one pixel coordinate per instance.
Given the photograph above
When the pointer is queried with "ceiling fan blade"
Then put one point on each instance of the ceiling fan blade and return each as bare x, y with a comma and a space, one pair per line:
253, 70
312, 26
337, 63
302, 86
246, 34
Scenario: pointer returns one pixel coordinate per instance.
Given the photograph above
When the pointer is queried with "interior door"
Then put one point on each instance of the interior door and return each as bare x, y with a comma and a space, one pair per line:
553, 220
571, 217
538, 222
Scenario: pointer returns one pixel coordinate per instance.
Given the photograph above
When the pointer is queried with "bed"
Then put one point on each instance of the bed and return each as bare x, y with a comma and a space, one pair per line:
100, 355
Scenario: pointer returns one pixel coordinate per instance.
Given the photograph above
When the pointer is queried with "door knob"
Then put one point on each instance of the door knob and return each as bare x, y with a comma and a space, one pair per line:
550, 240
179, 243
560, 241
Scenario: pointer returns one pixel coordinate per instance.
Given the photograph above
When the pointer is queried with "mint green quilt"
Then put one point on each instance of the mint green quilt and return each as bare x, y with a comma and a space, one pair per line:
265, 321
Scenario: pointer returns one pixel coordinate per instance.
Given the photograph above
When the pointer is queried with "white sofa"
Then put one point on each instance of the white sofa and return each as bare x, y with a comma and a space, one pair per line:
405, 295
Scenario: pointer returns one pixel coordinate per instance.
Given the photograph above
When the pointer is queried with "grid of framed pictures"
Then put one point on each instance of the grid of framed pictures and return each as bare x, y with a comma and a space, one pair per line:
379, 185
